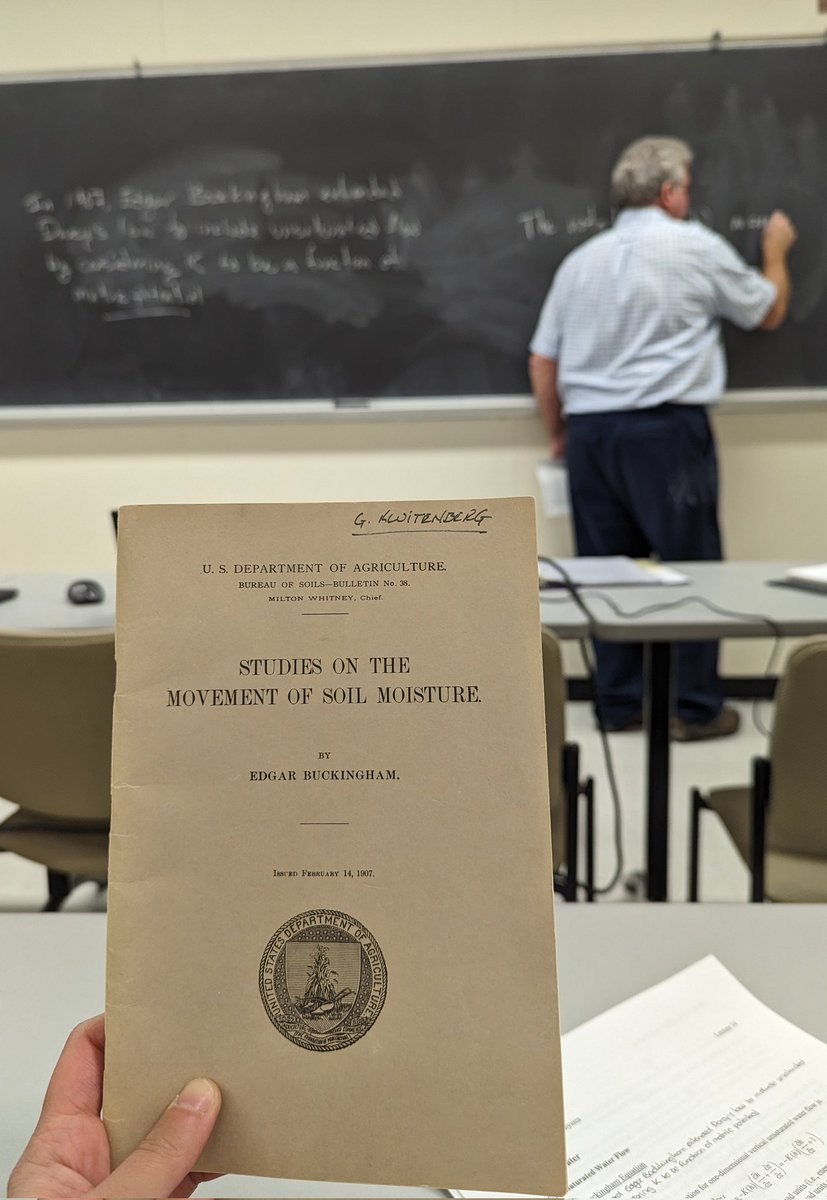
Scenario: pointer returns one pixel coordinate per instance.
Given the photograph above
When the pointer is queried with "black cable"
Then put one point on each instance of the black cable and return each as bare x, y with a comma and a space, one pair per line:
681, 602
610, 773
772, 626
757, 719
572, 589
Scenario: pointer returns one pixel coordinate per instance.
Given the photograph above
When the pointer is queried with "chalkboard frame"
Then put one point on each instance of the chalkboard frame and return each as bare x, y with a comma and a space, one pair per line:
406, 407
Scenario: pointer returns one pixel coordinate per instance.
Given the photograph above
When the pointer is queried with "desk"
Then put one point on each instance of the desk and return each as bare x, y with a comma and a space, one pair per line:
739, 587
53, 977
43, 604
563, 615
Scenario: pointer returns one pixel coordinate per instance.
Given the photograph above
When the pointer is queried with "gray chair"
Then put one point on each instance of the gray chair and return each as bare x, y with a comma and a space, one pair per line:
566, 791
56, 695
779, 822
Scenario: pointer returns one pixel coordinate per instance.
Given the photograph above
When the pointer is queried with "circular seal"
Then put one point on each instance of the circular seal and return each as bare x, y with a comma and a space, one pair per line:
323, 979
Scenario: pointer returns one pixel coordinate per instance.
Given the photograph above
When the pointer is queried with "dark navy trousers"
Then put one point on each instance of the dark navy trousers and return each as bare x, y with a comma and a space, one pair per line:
646, 482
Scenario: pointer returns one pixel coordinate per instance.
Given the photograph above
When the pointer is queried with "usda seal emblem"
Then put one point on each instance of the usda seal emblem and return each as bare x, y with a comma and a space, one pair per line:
323, 979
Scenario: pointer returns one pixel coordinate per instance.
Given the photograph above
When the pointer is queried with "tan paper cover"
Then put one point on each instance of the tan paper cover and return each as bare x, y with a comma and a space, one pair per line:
330, 879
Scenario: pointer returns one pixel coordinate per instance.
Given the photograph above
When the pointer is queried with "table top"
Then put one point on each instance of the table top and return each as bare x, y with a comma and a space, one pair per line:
562, 614
609, 952
606, 953
722, 600
42, 602
752, 608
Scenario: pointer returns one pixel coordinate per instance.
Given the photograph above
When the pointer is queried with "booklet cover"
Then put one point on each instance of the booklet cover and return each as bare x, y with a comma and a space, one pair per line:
330, 879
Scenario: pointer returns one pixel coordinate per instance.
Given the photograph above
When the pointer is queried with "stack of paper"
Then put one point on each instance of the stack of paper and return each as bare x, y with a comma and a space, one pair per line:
812, 578
606, 571
553, 478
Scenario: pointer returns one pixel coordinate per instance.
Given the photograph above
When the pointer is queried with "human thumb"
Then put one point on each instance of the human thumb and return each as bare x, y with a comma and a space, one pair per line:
171, 1148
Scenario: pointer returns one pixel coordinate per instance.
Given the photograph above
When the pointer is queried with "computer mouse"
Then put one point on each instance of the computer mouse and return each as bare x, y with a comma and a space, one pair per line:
85, 591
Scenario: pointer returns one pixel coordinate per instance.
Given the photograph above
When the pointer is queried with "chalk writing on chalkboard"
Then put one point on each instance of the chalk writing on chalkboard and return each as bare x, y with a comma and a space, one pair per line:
140, 253
149, 253
144, 253
376, 231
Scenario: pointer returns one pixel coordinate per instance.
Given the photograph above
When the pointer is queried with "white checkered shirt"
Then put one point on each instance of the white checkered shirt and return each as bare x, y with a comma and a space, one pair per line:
633, 315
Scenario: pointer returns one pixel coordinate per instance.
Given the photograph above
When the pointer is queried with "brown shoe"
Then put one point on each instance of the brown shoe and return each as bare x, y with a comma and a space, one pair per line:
726, 723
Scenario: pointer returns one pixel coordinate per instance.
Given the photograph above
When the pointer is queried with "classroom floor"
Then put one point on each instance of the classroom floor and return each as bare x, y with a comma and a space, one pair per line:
723, 875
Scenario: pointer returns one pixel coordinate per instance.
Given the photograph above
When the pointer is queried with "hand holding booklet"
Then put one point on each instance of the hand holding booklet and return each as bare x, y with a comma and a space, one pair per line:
330, 879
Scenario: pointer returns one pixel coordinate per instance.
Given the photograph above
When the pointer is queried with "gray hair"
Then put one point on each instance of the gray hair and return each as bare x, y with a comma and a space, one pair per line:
644, 166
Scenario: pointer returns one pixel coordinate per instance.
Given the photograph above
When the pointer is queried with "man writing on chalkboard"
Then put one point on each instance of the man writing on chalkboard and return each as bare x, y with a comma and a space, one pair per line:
626, 357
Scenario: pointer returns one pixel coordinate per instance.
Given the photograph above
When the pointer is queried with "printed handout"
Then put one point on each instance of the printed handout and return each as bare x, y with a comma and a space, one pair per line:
695, 1090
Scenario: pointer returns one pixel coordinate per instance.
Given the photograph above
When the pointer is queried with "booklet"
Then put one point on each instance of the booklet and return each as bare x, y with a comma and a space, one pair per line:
694, 1090
330, 886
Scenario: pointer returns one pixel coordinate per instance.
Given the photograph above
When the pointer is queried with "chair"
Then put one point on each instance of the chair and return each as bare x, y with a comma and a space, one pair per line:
565, 788
56, 694
779, 823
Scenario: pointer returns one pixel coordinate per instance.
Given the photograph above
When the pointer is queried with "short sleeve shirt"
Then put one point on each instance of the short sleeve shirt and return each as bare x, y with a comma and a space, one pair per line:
633, 315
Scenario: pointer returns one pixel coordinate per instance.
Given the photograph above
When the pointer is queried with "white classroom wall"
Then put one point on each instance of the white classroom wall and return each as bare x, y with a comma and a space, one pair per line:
57, 482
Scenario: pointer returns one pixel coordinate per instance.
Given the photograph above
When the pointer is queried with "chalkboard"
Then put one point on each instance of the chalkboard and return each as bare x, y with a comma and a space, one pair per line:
373, 231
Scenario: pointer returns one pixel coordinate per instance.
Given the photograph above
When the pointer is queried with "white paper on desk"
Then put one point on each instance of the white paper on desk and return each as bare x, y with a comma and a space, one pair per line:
553, 478
813, 577
607, 571
695, 1090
